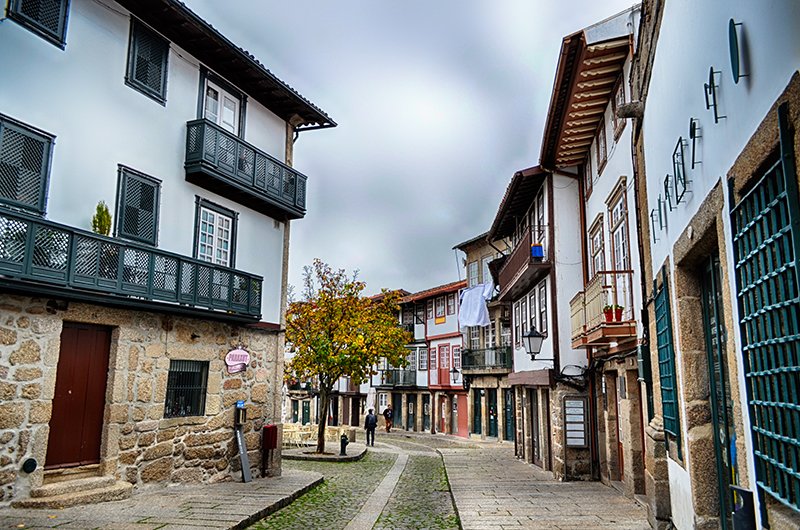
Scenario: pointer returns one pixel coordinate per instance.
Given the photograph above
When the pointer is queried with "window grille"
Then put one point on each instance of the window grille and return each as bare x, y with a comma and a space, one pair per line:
186, 389
666, 359
137, 206
765, 249
24, 166
46, 18
147, 62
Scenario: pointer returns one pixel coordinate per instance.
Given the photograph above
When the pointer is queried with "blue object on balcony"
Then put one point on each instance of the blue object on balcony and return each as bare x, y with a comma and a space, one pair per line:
537, 252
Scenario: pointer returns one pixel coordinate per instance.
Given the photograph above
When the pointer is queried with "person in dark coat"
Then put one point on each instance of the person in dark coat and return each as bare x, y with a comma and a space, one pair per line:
388, 414
370, 423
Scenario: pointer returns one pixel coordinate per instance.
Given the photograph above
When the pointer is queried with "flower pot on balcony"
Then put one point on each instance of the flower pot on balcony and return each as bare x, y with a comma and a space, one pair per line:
608, 313
537, 252
618, 313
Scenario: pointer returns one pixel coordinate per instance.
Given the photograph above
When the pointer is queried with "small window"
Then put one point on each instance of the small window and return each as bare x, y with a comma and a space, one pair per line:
412, 358
543, 308
517, 335
451, 304
147, 62
423, 358
408, 314
457, 357
46, 18
475, 337
137, 206
24, 165
617, 101
432, 353
601, 146
505, 334
597, 247
215, 233
472, 274
383, 400
186, 389
430, 309
222, 106
444, 356
440, 307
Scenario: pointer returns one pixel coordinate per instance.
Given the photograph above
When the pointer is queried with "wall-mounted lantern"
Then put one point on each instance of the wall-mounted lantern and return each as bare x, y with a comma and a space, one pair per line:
533, 342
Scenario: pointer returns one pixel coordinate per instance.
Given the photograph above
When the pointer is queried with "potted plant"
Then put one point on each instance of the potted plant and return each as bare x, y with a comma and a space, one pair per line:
608, 312
618, 312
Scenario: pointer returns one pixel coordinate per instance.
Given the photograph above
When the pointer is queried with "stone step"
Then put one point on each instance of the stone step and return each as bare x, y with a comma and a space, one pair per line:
82, 484
71, 473
115, 492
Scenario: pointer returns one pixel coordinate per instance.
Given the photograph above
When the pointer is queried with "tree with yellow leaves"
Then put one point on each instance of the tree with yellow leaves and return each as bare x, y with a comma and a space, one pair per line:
336, 332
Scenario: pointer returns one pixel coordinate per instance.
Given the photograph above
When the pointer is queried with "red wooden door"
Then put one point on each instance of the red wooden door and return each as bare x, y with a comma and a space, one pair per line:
76, 424
462, 414
444, 364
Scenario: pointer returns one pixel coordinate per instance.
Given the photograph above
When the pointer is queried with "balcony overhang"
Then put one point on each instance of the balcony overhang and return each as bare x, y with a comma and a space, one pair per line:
225, 164
517, 200
606, 335
522, 280
532, 378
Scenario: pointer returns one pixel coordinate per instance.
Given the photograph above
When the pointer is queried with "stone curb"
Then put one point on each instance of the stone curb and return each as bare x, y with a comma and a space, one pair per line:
275, 506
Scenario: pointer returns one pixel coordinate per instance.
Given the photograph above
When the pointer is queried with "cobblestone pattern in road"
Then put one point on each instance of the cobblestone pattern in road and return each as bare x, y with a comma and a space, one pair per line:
421, 498
336, 501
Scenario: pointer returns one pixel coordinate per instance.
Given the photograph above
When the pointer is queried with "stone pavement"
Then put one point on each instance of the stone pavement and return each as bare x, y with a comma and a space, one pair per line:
224, 505
494, 490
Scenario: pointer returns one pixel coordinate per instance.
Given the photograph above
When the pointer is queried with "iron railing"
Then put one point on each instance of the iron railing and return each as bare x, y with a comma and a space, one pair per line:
211, 149
487, 358
399, 377
43, 252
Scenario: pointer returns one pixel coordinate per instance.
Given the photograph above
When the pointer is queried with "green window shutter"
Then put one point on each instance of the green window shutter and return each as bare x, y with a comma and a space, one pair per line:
47, 18
137, 208
766, 240
24, 166
147, 62
666, 360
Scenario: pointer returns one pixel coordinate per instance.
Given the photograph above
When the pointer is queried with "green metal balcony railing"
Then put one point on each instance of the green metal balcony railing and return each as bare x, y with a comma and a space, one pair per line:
399, 377
231, 167
58, 257
498, 357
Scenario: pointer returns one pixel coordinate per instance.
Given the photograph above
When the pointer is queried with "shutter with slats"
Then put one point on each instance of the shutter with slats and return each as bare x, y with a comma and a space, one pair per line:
147, 63
138, 209
24, 161
46, 17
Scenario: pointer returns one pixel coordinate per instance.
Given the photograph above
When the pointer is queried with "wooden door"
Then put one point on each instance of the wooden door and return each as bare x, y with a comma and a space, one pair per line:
536, 449
492, 412
76, 424
444, 364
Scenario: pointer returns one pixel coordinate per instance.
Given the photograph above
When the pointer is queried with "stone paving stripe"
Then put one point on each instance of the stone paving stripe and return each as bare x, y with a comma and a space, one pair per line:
371, 510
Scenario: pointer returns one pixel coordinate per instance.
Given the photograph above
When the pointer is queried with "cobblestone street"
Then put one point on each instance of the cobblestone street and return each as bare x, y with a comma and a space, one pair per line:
490, 490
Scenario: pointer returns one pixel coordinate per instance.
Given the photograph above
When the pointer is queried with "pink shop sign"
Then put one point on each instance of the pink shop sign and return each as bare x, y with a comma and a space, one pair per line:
237, 360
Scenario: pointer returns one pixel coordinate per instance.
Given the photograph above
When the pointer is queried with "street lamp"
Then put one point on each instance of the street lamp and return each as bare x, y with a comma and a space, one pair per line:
533, 342
454, 373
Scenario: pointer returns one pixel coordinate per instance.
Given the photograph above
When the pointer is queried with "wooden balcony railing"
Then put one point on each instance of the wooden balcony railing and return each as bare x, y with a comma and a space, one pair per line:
521, 257
495, 358
229, 166
57, 258
603, 312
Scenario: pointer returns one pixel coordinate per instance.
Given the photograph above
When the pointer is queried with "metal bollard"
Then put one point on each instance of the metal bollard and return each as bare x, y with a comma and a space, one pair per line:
343, 441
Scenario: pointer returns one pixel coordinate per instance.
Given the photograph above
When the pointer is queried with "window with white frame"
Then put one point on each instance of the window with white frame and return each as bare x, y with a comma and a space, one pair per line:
440, 307
475, 337
486, 275
457, 357
538, 227
451, 304
543, 308
505, 334
432, 353
444, 356
596, 247
619, 233
616, 102
532, 313
601, 146
383, 400
423, 358
215, 233
488, 335
408, 314
430, 309
222, 107
412, 358
472, 274
523, 313
516, 317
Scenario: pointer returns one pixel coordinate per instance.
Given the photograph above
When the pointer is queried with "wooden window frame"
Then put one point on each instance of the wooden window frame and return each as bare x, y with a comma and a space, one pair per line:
137, 30
451, 304
200, 204
46, 140
58, 37
602, 154
440, 307
124, 174
617, 99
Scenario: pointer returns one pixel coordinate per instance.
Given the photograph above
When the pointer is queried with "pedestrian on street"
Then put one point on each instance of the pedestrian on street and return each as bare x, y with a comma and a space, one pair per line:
388, 415
370, 423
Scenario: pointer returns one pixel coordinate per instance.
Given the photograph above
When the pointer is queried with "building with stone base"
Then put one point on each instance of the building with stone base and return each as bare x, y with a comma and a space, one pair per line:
716, 94
487, 358
126, 350
537, 214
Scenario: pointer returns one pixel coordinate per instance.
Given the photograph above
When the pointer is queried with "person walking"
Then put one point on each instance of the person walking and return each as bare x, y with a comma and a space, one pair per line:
388, 414
370, 423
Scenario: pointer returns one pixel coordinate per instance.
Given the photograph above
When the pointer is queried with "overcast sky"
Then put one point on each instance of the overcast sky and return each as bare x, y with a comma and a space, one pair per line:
438, 103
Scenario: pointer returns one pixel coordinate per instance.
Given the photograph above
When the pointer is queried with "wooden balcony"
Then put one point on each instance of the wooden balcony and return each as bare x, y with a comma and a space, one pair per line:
40, 257
596, 328
495, 360
227, 165
521, 270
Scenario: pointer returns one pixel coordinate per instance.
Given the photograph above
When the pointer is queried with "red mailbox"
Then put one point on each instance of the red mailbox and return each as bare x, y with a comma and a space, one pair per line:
269, 442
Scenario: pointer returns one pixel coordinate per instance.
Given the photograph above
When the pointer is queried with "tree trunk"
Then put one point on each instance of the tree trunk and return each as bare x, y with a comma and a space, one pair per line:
324, 398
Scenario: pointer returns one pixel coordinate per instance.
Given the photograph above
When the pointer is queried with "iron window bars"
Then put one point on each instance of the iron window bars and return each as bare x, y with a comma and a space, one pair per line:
186, 389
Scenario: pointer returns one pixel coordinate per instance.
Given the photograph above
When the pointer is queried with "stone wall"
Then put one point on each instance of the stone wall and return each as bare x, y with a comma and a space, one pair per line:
138, 444
569, 463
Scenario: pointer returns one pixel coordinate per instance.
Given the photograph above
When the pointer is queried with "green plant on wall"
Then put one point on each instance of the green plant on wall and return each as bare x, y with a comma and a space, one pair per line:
101, 220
